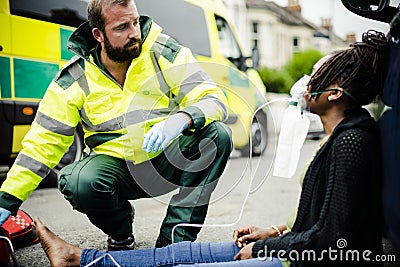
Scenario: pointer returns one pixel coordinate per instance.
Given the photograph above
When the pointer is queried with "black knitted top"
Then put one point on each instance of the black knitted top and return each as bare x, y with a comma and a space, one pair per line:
339, 208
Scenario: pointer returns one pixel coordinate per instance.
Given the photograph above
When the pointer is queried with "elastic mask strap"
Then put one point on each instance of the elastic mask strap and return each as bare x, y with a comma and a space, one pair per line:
351, 96
332, 89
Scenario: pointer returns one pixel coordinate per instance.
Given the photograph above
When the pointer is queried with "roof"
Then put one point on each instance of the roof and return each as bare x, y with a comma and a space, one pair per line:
291, 18
285, 16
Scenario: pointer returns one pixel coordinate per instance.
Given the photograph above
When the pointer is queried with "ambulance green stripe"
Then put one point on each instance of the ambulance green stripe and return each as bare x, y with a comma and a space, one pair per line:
5, 80
64, 35
31, 78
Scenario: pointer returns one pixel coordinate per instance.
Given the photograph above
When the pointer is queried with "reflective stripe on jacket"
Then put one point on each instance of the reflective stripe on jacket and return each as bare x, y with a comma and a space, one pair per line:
114, 118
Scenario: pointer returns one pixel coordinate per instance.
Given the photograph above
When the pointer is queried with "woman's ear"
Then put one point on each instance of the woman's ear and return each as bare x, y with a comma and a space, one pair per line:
98, 35
335, 94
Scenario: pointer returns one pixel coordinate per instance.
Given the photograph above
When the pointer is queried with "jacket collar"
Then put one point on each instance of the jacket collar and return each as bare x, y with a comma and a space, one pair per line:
83, 43
356, 118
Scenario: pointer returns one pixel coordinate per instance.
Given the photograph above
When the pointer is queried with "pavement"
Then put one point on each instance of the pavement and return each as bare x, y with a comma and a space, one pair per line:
241, 198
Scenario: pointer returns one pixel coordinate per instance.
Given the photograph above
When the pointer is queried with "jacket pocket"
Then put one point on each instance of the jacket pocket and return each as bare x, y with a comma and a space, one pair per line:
99, 109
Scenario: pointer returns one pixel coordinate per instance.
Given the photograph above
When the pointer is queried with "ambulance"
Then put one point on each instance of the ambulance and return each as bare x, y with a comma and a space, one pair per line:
33, 48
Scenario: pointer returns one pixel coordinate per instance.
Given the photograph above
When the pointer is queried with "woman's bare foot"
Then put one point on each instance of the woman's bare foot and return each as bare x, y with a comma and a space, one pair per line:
59, 252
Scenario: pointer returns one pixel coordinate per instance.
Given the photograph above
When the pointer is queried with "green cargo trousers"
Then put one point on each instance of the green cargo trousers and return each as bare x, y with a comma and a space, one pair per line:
100, 185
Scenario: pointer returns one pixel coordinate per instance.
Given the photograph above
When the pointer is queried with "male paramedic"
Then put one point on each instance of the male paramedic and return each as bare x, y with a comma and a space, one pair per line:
151, 120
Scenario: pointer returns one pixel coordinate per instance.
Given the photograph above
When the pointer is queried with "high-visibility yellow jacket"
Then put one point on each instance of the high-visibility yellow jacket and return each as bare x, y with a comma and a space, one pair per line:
114, 118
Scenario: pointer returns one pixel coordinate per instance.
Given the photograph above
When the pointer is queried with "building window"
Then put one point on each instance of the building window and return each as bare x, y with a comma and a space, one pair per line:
295, 42
255, 43
255, 55
255, 27
255, 39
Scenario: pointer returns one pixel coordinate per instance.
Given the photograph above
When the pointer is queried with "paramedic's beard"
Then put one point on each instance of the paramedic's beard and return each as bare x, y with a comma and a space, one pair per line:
123, 54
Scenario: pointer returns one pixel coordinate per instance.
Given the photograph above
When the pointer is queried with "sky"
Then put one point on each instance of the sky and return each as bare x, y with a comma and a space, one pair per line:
343, 21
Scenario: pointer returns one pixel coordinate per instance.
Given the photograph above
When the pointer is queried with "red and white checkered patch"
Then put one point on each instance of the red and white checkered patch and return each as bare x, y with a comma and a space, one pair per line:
20, 221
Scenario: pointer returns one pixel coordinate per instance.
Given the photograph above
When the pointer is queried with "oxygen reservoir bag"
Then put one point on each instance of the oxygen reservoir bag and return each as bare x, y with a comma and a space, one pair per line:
293, 132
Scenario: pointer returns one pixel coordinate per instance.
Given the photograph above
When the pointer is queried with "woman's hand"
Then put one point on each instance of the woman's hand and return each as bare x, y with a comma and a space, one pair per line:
245, 253
245, 235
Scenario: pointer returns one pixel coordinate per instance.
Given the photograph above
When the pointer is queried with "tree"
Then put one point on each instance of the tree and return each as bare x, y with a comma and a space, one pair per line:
281, 80
276, 80
302, 63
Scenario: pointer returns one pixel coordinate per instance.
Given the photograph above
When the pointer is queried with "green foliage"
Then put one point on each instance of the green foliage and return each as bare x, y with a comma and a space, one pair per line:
275, 80
281, 80
302, 63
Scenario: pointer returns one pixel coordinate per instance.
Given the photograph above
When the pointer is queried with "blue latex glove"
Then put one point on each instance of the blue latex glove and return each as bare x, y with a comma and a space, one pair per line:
4, 214
163, 132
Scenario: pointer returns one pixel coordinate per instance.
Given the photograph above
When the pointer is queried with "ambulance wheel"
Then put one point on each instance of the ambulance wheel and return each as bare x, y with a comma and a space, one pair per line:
259, 135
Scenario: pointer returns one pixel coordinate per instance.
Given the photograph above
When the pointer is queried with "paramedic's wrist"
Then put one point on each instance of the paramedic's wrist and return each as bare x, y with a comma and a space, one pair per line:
187, 118
162, 133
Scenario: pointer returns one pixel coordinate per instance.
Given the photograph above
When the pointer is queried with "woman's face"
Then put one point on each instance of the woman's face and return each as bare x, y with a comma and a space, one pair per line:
311, 101
318, 101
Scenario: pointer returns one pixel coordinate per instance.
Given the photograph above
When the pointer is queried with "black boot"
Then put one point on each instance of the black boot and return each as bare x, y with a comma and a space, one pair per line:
124, 244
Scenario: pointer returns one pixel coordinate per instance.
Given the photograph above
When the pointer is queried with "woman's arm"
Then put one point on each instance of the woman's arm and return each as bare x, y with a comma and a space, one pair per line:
248, 234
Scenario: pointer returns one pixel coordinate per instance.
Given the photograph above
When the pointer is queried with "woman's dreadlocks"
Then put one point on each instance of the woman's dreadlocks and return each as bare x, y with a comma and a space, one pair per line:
360, 69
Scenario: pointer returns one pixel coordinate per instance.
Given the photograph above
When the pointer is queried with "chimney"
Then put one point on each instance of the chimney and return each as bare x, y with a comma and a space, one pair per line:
294, 6
351, 38
326, 24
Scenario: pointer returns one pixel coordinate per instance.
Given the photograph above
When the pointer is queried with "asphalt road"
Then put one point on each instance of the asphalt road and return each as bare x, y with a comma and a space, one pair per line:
270, 201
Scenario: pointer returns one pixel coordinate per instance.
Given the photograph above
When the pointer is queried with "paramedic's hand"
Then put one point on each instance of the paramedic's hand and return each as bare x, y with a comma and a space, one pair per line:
4, 214
163, 132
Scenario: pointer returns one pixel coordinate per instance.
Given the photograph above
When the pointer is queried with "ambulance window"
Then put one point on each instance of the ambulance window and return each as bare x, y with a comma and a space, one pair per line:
181, 20
227, 42
65, 12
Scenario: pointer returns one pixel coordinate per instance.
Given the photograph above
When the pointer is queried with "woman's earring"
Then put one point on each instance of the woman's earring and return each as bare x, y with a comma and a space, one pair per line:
329, 98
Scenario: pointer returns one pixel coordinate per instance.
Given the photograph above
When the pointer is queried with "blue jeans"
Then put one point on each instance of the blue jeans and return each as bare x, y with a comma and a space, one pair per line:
185, 254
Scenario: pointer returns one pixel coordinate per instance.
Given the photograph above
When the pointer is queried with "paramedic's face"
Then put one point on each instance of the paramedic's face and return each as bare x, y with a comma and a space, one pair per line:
122, 36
